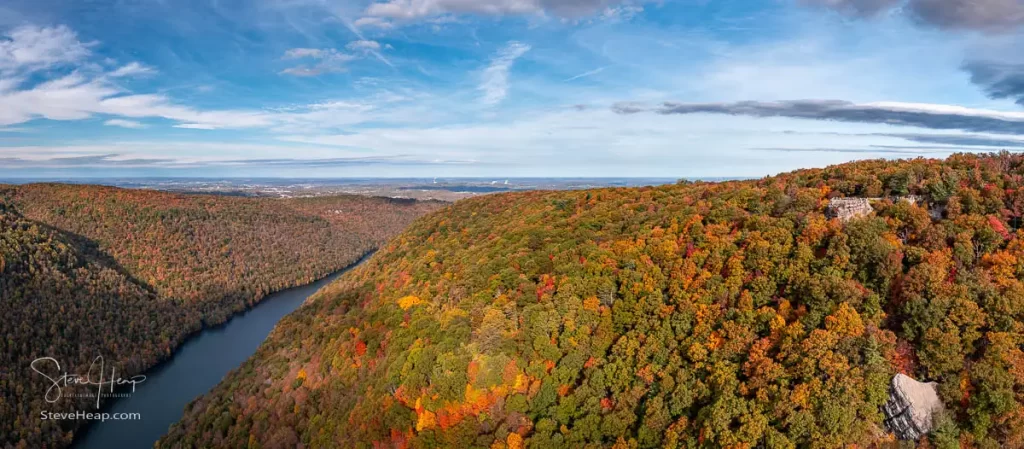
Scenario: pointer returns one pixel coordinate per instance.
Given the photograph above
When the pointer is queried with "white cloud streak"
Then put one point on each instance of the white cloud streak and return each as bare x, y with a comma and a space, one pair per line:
495, 79
586, 74
131, 124
75, 97
369, 47
408, 10
373, 22
328, 60
131, 70
363, 45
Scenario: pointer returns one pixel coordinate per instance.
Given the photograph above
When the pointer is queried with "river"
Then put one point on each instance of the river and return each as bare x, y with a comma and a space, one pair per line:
196, 367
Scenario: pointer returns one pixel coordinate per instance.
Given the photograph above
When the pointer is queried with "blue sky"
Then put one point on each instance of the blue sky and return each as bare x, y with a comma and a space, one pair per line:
396, 88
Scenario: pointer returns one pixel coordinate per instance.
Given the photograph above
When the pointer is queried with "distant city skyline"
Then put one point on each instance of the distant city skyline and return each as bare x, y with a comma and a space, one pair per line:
500, 88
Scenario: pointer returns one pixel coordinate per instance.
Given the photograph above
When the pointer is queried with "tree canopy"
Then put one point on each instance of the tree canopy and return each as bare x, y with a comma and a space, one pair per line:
730, 314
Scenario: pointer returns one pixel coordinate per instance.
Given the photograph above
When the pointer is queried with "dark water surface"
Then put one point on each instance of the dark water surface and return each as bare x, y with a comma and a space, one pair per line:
196, 367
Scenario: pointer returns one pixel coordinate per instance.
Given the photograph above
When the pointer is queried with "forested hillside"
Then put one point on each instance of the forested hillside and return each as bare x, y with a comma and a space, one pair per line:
220, 252
91, 271
64, 299
694, 315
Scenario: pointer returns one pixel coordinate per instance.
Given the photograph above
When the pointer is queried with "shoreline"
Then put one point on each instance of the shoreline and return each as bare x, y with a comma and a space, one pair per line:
82, 430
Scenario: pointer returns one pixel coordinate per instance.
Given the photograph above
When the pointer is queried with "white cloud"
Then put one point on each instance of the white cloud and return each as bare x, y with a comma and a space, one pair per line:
586, 74
415, 9
328, 60
124, 123
299, 53
742, 146
31, 48
69, 98
196, 126
621, 12
331, 60
74, 97
494, 83
132, 69
140, 106
308, 71
77, 97
9, 83
368, 47
373, 22
419, 9
193, 155
363, 45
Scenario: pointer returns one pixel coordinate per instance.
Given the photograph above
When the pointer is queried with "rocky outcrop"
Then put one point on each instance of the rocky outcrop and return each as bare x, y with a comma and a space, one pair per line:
848, 208
910, 408
912, 199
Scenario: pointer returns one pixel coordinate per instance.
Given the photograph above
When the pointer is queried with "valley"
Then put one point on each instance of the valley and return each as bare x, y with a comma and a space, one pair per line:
196, 367
127, 275
511, 224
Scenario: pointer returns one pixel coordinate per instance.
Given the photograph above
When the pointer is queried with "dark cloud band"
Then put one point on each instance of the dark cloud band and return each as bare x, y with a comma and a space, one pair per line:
982, 15
909, 151
998, 80
914, 115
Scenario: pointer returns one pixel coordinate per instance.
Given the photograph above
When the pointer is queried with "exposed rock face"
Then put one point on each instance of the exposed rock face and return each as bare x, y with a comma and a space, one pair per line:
910, 408
912, 199
848, 208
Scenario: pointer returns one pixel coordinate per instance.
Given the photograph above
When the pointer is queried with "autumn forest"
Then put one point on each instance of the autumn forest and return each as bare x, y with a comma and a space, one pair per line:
128, 274
740, 314
735, 314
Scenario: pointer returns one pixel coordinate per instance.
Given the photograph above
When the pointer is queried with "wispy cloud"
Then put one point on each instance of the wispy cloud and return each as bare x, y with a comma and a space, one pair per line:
328, 60
61, 159
132, 69
586, 74
416, 9
299, 53
78, 97
363, 45
373, 22
204, 126
412, 10
30, 48
370, 47
97, 160
124, 123
494, 82
75, 97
